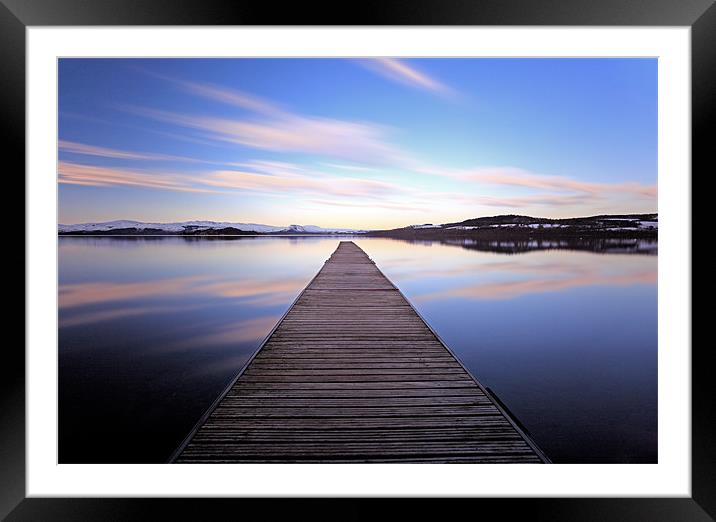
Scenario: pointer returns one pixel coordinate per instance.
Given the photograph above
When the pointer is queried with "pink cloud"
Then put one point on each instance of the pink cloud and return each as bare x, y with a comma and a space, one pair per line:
576, 196
273, 178
233, 97
281, 178
521, 178
383, 204
347, 140
557, 200
270, 127
399, 71
104, 152
97, 176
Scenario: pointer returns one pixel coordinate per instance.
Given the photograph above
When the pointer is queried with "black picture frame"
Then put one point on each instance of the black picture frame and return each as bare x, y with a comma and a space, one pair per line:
17, 15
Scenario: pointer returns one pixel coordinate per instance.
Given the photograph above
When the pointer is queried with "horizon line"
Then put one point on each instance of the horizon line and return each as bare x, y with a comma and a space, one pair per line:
358, 228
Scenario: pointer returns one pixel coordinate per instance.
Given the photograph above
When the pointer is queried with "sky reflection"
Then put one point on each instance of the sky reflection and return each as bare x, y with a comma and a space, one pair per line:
567, 339
151, 330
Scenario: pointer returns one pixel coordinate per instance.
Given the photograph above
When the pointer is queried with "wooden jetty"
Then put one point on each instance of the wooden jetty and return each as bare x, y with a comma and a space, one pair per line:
352, 373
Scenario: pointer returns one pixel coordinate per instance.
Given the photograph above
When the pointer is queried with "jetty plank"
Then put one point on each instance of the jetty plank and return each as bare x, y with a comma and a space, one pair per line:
352, 373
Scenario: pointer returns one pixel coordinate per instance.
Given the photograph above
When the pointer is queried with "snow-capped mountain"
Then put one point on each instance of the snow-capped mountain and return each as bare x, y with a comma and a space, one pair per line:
130, 227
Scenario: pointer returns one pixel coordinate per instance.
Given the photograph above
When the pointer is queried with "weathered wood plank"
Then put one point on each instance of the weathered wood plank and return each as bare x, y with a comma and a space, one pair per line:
312, 423
342, 385
249, 392
353, 374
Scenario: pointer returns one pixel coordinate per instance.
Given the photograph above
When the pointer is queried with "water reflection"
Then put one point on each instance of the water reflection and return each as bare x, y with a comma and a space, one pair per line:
611, 245
567, 339
514, 279
151, 330
79, 301
241, 331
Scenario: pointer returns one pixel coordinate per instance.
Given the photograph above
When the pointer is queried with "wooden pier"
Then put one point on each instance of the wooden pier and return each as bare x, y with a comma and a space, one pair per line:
352, 373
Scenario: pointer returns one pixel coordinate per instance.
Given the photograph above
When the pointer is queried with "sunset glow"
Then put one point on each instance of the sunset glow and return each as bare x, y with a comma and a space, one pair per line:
355, 143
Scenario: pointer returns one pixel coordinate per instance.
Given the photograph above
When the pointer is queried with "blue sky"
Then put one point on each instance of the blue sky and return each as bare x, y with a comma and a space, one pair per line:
367, 143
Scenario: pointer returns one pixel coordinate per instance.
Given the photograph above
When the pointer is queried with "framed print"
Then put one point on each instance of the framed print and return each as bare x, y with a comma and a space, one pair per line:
414, 253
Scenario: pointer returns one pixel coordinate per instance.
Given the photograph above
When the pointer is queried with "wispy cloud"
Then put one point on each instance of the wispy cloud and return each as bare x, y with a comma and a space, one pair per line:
399, 71
554, 200
84, 149
411, 206
365, 146
541, 190
265, 177
345, 166
360, 147
521, 178
347, 140
302, 182
316, 187
268, 126
517, 177
332, 146
98, 176
233, 97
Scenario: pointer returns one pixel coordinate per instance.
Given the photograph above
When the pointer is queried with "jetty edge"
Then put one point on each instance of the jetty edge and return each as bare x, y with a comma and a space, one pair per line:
353, 373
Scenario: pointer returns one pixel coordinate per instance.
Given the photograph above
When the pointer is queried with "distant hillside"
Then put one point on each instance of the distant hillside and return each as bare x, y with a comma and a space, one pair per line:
494, 228
193, 228
526, 227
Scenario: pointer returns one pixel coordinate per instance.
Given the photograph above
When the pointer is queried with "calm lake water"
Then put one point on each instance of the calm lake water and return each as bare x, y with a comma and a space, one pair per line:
152, 329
